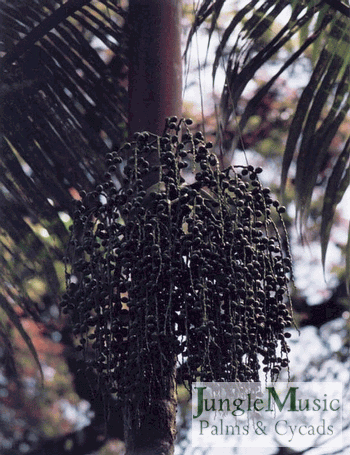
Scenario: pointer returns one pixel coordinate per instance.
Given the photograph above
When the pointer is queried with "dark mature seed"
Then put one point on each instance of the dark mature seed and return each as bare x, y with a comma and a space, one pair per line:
178, 260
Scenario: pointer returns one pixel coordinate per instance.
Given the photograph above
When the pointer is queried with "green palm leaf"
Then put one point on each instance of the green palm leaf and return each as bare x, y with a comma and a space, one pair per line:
13, 316
333, 195
323, 27
63, 107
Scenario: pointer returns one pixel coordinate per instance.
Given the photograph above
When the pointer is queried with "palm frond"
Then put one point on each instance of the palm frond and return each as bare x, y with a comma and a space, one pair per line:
13, 316
245, 58
250, 42
339, 6
63, 106
336, 187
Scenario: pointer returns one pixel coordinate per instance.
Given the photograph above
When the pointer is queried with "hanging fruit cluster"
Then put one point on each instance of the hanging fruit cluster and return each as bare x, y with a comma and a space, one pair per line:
193, 271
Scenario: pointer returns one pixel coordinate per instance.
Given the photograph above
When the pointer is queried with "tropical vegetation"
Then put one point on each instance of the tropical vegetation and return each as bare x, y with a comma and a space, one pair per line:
65, 109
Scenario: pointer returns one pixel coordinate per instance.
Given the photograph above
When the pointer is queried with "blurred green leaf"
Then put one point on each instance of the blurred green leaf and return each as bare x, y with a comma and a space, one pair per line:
333, 195
15, 320
301, 114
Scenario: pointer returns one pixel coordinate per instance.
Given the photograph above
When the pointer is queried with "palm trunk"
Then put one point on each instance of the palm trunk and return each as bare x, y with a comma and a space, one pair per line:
155, 64
150, 427
155, 79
